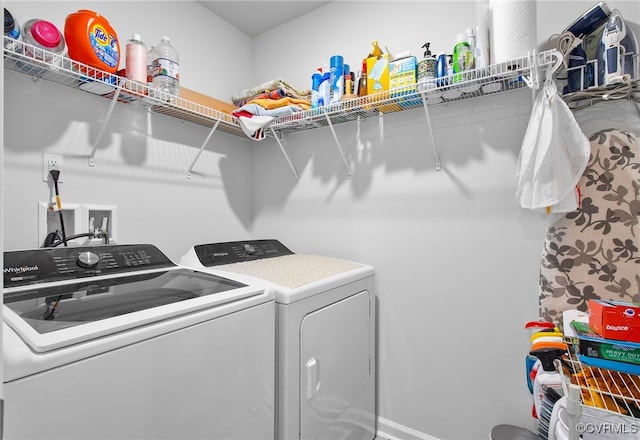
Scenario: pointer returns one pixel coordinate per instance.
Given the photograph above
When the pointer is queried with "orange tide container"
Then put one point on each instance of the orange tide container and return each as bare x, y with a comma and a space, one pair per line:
91, 40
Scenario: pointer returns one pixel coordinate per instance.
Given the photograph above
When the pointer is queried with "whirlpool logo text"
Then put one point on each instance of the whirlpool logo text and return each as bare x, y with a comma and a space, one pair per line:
20, 269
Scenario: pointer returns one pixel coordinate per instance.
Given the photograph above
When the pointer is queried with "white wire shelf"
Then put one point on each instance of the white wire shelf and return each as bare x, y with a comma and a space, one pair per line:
493, 80
604, 389
40, 64
43, 65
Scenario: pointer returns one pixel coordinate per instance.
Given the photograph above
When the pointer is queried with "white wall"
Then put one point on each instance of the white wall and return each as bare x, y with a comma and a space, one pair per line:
215, 57
141, 164
457, 259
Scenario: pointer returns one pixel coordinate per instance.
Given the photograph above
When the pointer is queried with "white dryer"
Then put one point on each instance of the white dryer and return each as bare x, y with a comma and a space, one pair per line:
118, 342
325, 386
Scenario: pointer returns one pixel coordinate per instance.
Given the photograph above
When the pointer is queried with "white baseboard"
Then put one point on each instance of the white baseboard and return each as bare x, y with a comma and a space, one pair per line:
388, 430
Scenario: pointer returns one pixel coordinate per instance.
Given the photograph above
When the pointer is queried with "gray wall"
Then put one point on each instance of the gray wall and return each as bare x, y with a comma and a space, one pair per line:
142, 160
457, 259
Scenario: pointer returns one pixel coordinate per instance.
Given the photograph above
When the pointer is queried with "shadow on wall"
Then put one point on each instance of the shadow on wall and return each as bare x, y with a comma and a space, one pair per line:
136, 145
398, 142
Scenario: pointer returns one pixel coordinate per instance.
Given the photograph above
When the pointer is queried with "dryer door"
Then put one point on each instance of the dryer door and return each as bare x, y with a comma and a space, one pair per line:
335, 365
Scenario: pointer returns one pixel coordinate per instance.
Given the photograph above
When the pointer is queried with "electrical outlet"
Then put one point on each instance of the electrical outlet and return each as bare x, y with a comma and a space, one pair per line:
51, 162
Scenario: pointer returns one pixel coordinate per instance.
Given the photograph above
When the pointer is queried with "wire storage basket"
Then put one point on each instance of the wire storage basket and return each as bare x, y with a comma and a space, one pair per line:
607, 402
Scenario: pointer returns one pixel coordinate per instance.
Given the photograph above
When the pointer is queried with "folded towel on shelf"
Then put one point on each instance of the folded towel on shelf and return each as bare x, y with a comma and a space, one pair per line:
271, 104
256, 109
279, 84
269, 94
273, 99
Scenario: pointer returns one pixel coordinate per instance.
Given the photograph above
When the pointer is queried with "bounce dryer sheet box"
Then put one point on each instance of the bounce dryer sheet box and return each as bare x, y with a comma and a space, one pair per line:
615, 320
606, 353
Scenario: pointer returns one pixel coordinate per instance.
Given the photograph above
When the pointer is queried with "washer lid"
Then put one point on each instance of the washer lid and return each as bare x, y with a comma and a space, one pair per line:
54, 315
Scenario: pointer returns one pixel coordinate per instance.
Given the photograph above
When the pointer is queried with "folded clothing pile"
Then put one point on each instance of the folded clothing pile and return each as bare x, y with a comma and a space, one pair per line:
258, 105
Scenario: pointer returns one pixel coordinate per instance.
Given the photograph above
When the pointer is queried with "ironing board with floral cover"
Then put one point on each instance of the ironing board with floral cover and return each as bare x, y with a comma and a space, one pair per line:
593, 252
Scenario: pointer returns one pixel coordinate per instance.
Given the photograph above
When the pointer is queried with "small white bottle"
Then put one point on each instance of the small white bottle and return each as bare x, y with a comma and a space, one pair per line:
136, 63
166, 70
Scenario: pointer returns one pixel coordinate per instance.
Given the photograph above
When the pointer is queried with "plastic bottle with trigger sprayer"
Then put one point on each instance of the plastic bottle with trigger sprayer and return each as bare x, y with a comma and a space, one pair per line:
547, 376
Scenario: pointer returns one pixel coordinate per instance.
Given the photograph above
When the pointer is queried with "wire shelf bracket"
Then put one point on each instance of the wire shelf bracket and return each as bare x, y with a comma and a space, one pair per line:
204, 144
92, 156
335, 137
431, 135
284, 152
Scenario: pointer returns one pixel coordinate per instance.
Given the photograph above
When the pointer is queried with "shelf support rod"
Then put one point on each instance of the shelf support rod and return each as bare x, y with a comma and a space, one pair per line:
430, 128
335, 137
284, 152
92, 161
204, 144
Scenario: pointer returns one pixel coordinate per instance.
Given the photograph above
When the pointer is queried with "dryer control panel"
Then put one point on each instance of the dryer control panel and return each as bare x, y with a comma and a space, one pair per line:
215, 254
56, 264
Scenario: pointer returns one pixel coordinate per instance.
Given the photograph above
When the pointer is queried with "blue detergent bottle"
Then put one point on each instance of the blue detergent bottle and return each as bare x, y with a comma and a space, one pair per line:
324, 89
316, 78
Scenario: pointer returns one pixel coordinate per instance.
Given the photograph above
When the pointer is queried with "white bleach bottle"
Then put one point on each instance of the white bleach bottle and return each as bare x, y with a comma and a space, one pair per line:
547, 376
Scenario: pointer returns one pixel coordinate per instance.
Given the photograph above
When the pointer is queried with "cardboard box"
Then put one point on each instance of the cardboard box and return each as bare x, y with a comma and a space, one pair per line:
606, 353
403, 82
377, 74
615, 320
403, 75
207, 101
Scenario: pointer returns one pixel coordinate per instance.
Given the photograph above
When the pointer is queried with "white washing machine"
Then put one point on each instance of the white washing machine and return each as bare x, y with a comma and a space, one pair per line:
118, 342
325, 308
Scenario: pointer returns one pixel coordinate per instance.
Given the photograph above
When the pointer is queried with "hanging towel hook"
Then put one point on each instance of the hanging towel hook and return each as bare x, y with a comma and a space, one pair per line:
532, 80
551, 70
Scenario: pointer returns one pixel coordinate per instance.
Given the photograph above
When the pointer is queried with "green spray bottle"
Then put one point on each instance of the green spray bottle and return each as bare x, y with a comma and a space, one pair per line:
462, 56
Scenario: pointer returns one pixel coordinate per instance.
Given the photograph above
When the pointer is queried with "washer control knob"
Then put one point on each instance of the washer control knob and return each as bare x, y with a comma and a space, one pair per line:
87, 260
248, 249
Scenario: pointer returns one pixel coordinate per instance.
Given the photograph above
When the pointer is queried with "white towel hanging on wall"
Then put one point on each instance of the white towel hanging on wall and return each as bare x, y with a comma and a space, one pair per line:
553, 156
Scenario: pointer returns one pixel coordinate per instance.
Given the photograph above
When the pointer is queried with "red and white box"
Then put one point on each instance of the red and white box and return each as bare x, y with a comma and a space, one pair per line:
616, 320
